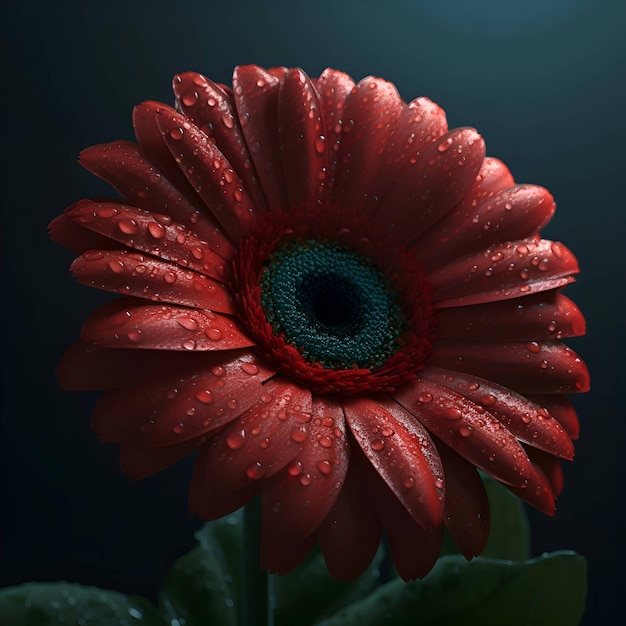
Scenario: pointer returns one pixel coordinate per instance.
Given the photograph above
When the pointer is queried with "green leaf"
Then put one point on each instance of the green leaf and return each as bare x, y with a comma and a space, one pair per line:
309, 593
544, 591
203, 585
509, 537
54, 604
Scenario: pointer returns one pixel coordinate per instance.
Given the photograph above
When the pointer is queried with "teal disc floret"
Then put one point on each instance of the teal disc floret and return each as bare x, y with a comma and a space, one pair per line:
331, 304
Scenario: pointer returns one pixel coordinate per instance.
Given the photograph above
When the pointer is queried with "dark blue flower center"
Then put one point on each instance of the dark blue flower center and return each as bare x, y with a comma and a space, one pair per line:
331, 304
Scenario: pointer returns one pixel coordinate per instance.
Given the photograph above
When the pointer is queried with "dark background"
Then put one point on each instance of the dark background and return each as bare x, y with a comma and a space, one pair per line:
542, 80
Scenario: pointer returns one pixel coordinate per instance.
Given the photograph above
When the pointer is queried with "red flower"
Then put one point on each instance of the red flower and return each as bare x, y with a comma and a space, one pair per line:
337, 303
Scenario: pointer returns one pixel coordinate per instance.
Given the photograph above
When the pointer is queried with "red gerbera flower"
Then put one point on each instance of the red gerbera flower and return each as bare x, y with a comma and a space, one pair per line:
338, 303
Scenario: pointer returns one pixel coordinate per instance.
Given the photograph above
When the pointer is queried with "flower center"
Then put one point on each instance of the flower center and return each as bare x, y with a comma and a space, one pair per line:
333, 301
331, 304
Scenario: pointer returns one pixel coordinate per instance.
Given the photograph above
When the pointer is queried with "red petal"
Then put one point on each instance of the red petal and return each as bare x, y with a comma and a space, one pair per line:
183, 404
351, 532
538, 492
302, 139
531, 367
414, 550
402, 452
76, 238
369, 116
562, 410
333, 88
207, 499
507, 270
513, 213
468, 430
422, 122
299, 497
153, 146
212, 110
466, 513
434, 183
550, 466
152, 233
209, 173
433, 248
541, 316
85, 366
529, 422
263, 440
139, 461
130, 323
256, 98
145, 277
122, 164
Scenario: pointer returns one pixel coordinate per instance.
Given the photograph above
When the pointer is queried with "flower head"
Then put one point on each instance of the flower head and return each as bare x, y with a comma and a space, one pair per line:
336, 302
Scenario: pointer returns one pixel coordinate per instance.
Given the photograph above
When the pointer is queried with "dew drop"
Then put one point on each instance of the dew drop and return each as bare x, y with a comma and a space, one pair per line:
324, 467
377, 445
425, 397
452, 413
187, 323
156, 230
218, 371
387, 432
204, 396
320, 144
294, 468
134, 335
189, 344
305, 480
236, 441
266, 398
465, 431
438, 483
214, 334
409, 482
189, 99
526, 418
178, 429
176, 133
128, 226
325, 442
488, 400
444, 145
255, 471
250, 368
117, 267
298, 434
533, 346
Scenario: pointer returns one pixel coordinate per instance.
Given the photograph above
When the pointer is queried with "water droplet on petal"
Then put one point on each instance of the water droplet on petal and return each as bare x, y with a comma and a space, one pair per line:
156, 230
187, 323
377, 445
444, 145
298, 435
128, 226
236, 440
452, 413
409, 482
488, 400
295, 468
438, 483
425, 397
250, 368
205, 396
324, 467
465, 431
214, 334
386, 431
255, 471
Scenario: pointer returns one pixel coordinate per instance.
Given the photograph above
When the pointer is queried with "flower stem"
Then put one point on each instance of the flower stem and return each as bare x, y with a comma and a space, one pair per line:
257, 607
